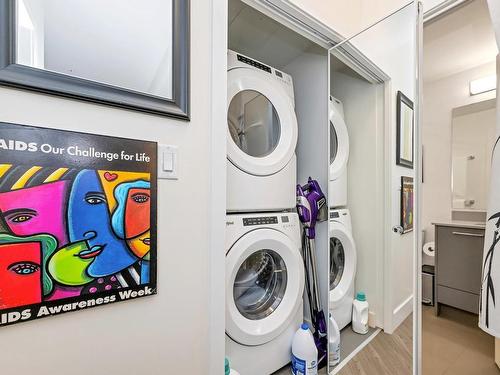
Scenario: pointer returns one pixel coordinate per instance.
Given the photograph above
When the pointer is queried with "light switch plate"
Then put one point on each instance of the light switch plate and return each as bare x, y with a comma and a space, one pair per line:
168, 162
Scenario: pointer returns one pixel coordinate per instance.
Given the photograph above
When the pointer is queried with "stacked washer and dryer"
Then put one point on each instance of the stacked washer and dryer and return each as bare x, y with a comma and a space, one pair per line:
264, 267
343, 256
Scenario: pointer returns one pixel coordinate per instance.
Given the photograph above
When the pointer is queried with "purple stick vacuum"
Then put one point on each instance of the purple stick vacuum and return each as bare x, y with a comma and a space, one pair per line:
312, 208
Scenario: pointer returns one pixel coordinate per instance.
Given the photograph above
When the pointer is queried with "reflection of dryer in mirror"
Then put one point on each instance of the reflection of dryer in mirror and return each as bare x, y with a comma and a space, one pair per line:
261, 137
339, 155
342, 266
264, 288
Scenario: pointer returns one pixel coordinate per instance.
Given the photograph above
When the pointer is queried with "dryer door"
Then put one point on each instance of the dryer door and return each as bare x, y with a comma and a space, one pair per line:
262, 126
264, 285
342, 262
339, 143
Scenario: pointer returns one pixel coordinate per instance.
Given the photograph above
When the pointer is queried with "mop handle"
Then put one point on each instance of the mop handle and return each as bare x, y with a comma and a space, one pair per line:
307, 276
312, 254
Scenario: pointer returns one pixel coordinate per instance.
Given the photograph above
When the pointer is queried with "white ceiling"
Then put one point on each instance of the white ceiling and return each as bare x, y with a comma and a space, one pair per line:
459, 41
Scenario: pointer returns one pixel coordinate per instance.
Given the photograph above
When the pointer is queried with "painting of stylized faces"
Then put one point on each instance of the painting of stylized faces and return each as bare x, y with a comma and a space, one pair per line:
137, 221
131, 219
89, 219
68, 266
20, 274
35, 210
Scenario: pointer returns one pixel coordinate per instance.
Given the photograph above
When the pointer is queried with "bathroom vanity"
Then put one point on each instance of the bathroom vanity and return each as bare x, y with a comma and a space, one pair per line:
459, 254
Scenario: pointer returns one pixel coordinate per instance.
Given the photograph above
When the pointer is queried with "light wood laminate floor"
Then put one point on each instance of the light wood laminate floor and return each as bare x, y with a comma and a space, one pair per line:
385, 354
453, 344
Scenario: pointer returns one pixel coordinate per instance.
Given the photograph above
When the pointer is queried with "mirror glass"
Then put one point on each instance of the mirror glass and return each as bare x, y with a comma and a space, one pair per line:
122, 43
371, 296
473, 136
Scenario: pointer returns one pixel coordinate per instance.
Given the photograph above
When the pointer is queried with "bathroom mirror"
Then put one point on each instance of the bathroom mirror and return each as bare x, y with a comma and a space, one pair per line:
473, 136
117, 52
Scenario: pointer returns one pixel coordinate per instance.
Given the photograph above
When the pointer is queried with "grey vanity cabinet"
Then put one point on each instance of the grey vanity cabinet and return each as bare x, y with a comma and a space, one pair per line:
459, 254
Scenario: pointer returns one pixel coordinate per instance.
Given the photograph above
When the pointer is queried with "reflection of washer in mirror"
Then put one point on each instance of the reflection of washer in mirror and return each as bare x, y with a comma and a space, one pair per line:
337, 262
339, 155
253, 123
342, 266
334, 142
260, 284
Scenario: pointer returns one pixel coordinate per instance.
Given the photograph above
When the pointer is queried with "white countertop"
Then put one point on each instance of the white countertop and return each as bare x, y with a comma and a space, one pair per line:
460, 224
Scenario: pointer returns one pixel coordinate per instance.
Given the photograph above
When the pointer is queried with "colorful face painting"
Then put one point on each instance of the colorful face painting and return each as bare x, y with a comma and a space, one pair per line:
23, 278
89, 219
29, 209
78, 228
128, 195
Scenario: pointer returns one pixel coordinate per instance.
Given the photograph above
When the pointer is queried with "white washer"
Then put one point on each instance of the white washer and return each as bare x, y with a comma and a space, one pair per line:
339, 155
343, 260
264, 286
261, 137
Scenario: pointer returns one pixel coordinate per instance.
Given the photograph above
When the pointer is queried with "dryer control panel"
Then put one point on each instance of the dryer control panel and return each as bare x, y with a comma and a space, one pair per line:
264, 220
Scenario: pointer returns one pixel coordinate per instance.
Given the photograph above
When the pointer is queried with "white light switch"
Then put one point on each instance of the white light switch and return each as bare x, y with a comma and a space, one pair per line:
168, 162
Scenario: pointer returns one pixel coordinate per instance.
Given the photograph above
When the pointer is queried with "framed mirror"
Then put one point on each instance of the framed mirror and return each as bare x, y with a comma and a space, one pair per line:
115, 52
473, 136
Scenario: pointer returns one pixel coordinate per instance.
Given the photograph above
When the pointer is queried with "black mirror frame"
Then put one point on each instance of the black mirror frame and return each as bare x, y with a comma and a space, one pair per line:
25, 77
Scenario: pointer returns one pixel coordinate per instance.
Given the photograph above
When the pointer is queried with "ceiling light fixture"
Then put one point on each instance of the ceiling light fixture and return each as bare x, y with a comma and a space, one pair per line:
482, 85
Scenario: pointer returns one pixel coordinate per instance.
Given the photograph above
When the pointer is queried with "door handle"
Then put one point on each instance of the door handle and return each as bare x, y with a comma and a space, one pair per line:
468, 234
398, 229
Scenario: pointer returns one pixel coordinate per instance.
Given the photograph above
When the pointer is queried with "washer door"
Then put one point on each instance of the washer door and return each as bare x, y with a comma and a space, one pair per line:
262, 126
342, 262
339, 144
264, 285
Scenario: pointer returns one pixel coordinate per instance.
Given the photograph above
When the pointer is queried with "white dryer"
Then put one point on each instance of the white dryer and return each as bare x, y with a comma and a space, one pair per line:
343, 260
264, 286
339, 155
261, 137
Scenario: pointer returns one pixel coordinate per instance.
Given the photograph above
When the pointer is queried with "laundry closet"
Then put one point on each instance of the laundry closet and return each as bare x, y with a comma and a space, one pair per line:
305, 104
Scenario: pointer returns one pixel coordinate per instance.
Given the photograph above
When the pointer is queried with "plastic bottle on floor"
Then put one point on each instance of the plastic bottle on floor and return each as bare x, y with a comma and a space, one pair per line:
333, 342
304, 352
228, 369
360, 314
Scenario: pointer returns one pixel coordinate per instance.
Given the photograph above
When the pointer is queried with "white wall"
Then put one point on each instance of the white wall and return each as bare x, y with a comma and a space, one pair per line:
440, 97
310, 79
168, 333
363, 112
391, 46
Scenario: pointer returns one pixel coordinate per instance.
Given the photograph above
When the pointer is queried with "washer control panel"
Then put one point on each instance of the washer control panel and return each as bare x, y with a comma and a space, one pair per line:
264, 220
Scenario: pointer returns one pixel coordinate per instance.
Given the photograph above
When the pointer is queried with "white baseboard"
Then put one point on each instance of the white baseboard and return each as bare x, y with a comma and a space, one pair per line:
400, 314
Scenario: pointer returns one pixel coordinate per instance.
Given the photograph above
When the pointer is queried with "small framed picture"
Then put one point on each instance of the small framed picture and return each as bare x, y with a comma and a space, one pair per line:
407, 195
404, 147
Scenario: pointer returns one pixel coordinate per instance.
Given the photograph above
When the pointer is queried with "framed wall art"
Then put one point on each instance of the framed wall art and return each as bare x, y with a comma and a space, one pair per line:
404, 133
77, 221
407, 204
68, 48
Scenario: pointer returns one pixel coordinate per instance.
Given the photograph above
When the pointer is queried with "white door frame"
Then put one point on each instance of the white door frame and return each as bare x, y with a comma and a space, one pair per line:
417, 287
216, 215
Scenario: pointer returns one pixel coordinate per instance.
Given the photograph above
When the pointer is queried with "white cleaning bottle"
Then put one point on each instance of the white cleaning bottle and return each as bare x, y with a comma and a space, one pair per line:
360, 314
333, 342
304, 352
